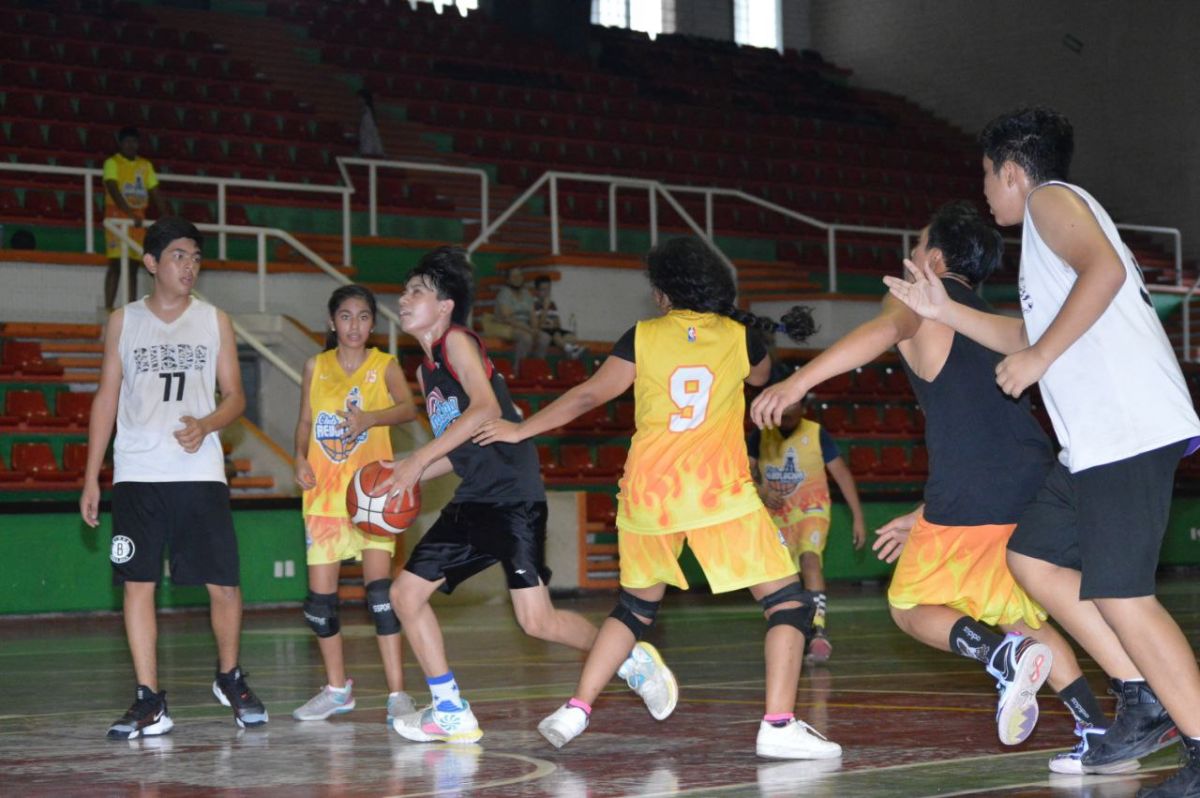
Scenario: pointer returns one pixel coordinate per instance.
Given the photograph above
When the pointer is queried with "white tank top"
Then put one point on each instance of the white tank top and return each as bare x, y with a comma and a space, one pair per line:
1118, 390
170, 371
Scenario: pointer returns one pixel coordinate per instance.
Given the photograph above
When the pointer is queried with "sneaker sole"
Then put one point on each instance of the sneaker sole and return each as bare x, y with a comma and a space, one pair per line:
672, 683
553, 735
342, 710
819, 651
242, 724
1017, 716
1073, 767
1163, 740
417, 736
783, 752
164, 725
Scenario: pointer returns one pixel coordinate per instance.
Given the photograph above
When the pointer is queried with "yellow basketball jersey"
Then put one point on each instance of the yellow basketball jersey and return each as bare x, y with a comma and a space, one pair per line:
134, 180
333, 460
687, 466
793, 469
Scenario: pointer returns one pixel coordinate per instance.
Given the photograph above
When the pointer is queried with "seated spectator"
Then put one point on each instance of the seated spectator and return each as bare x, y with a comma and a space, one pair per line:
549, 320
513, 319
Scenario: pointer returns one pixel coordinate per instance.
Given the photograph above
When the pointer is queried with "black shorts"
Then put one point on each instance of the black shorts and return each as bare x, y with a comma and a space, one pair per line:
1106, 522
471, 536
191, 518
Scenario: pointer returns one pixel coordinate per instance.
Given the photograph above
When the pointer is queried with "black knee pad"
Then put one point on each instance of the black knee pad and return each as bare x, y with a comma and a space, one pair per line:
627, 610
321, 612
799, 617
379, 604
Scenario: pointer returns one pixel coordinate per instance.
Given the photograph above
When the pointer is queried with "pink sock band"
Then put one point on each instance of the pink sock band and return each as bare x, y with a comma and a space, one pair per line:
575, 702
779, 716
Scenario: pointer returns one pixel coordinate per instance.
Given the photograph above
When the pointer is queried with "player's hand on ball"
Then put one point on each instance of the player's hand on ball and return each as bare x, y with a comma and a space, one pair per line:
89, 504
892, 537
355, 422
1020, 370
305, 477
498, 431
191, 436
405, 474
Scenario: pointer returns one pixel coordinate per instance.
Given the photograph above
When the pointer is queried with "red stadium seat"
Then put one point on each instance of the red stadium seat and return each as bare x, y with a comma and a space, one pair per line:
30, 407
918, 464
868, 381
42, 204
570, 372
9, 475
533, 372
601, 508
865, 419
892, 461
25, 357
897, 420
864, 460
610, 461
576, 459
36, 460
834, 418
74, 407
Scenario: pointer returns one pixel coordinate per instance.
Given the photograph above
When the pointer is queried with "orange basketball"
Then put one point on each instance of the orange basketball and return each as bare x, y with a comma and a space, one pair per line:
369, 508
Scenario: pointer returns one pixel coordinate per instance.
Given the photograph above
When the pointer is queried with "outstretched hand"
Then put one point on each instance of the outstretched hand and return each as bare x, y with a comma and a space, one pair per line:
768, 407
923, 293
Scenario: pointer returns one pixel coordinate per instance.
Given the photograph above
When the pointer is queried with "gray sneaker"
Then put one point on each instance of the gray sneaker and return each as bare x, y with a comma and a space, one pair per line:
648, 676
400, 703
327, 702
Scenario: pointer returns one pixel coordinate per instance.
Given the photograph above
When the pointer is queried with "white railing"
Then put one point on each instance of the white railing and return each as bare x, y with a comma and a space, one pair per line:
120, 227
375, 164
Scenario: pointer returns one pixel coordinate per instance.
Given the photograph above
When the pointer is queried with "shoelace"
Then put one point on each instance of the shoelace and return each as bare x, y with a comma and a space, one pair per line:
811, 730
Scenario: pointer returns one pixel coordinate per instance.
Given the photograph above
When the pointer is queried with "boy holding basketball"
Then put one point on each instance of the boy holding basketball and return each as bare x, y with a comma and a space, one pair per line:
164, 358
497, 515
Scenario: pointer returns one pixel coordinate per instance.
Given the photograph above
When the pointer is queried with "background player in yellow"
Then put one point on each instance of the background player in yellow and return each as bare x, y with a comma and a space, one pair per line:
350, 396
130, 187
687, 477
788, 464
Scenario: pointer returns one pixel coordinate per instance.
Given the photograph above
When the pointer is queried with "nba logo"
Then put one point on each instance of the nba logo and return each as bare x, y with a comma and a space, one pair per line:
691, 335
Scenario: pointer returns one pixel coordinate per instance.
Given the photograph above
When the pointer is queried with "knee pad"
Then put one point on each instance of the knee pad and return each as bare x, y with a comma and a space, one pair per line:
627, 610
800, 617
379, 604
321, 612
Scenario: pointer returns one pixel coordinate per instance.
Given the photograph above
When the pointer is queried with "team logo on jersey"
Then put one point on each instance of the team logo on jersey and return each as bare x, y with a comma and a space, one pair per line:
691, 335
170, 357
1026, 297
783, 480
371, 377
442, 411
122, 550
328, 433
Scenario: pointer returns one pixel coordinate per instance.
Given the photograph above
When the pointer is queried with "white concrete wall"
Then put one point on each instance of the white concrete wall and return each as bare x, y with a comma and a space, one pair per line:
605, 302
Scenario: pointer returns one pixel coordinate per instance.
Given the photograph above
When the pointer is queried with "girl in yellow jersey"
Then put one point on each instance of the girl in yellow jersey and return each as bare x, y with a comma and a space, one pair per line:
687, 477
350, 396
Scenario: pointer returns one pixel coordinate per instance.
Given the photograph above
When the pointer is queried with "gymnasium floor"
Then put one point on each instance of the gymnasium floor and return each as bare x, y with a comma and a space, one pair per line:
913, 722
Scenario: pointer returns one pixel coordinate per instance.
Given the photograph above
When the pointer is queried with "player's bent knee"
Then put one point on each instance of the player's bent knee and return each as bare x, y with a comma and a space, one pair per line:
800, 617
321, 612
379, 604
629, 608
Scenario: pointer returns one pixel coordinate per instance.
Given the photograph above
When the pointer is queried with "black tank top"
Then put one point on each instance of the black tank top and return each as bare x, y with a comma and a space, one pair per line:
987, 454
495, 474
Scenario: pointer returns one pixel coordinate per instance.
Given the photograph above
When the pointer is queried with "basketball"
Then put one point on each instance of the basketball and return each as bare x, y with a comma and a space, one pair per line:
369, 508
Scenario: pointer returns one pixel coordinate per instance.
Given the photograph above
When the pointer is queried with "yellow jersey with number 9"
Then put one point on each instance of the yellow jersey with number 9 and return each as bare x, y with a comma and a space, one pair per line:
687, 466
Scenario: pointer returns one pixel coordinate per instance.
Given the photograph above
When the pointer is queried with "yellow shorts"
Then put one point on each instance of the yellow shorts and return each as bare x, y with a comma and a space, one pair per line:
112, 244
329, 540
806, 534
962, 567
740, 553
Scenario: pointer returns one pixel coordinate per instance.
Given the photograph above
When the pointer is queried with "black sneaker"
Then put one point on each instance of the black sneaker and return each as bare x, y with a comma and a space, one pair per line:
1141, 727
146, 718
1186, 781
232, 691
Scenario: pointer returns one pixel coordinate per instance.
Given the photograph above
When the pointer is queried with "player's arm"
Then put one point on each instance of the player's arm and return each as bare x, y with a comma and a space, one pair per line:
102, 418
465, 359
894, 535
1070, 229
305, 477
760, 372
229, 381
114, 191
925, 294
611, 380
896, 322
845, 481
160, 204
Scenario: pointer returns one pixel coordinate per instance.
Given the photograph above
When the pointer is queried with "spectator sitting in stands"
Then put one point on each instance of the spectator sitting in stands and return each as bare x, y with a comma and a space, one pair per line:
549, 321
513, 319
370, 145
130, 186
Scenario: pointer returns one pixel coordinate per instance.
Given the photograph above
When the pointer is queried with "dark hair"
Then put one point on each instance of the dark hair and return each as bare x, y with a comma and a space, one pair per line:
166, 230
971, 246
447, 270
129, 132
543, 280
339, 296
1039, 140
368, 99
692, 277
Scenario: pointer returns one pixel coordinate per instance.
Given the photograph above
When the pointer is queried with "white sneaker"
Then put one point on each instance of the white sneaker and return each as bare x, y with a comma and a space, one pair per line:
797, 740
1024, 665
398, 705
327, 702
1070, 762
431, 724
563, 725
648, 676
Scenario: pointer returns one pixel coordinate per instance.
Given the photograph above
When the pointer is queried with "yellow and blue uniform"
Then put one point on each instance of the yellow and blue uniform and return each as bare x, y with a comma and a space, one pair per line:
330, 537
135, 180
792, 473
687, 476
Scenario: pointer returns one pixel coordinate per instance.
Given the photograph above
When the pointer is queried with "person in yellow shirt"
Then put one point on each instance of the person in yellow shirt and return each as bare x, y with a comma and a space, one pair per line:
687, 478
351, 395
789, 464
130, 187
